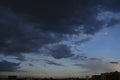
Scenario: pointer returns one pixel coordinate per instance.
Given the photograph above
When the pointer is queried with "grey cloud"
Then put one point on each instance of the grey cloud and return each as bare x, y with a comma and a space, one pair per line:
25, 28
113, 62
113, 22
109, 18
8, 66
30, 64
52, 63
21, 58
18, 36
112, 5
97, 66
60, 51
61, 16
79, 57
95, 59
83, 41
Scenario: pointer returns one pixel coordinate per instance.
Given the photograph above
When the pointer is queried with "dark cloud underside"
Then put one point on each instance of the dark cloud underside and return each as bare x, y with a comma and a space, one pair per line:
8, 66
52, 63
61, 51
26, 26
114, 62
58, 51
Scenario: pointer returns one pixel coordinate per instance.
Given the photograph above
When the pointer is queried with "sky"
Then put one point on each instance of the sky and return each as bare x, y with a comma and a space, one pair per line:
59, 38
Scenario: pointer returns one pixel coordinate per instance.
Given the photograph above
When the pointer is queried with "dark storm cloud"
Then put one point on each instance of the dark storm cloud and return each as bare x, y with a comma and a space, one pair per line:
60, 51
52, 63
60, 16
25, 26
17, 36
8, 66
57, 16
112, 5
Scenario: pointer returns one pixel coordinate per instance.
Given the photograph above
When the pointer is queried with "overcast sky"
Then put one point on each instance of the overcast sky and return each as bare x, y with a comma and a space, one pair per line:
59, 38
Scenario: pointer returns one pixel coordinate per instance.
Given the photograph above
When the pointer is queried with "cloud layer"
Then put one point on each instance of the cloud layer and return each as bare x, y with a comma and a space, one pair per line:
99, 66
52, 63
6, 66
26, 27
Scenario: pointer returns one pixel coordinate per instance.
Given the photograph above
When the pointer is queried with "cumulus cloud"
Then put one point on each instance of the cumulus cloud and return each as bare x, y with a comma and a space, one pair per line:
8, 66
